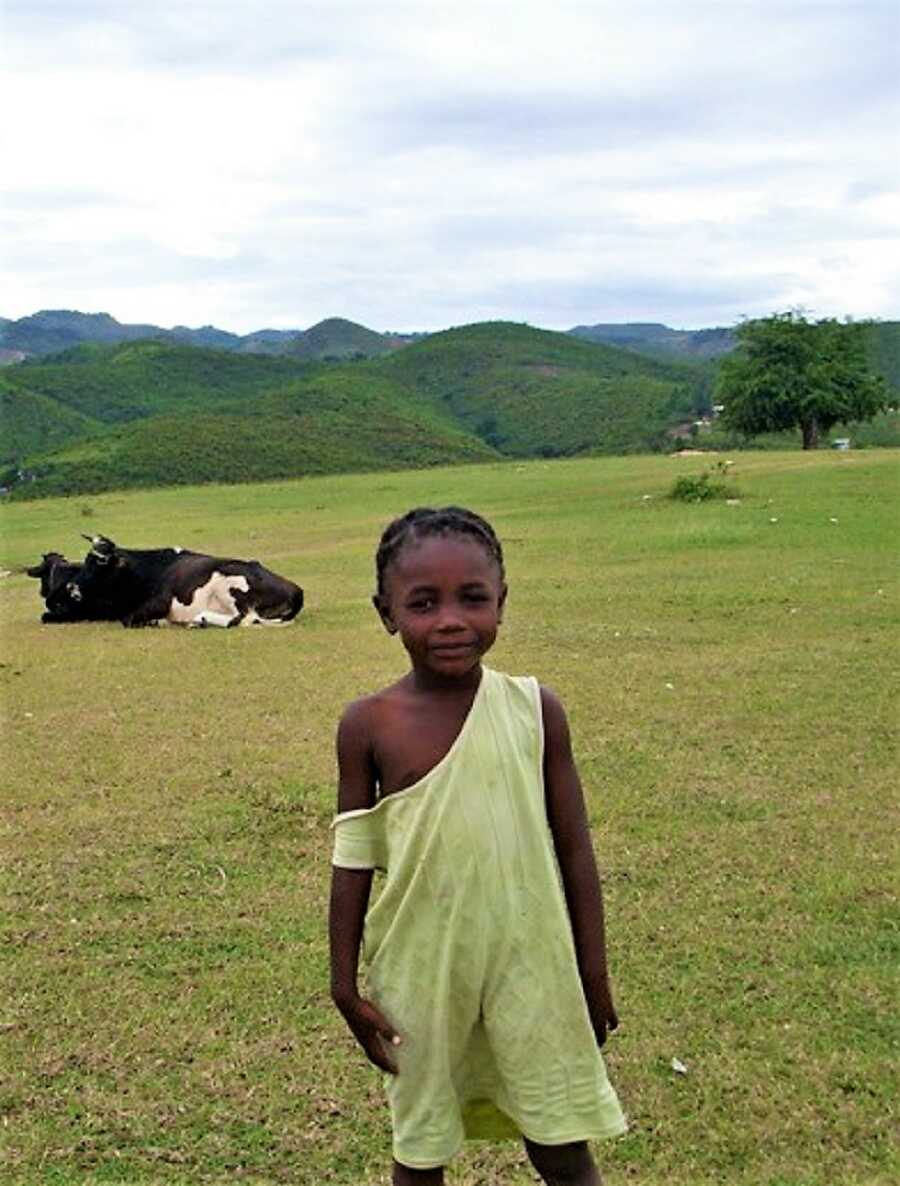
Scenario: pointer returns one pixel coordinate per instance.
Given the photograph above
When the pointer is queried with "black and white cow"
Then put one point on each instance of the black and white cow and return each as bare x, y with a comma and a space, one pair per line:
62, 601
187, 588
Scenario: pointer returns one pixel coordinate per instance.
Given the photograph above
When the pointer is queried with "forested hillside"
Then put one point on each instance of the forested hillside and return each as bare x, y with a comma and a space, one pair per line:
181, 429
336, 339
31, 422
884, 351
149, 413
149, 378
531, 392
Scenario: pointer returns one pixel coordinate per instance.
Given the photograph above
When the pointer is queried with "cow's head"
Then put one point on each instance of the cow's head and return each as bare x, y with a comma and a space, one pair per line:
103, 550
45, 571
47, 564
107, 584
59, 588
102, 567
101, 570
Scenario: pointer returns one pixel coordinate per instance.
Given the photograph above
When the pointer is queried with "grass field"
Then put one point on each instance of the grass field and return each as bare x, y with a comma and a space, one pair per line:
730, 677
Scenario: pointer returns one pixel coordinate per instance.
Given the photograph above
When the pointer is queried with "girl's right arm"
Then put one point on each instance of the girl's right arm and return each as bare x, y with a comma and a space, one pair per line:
350, 889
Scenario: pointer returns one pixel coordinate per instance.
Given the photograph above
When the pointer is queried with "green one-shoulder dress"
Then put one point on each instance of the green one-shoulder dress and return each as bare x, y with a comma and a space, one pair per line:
469, 949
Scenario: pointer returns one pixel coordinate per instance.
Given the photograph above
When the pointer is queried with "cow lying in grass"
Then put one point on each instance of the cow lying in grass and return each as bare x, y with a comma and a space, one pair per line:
143, 587
63, 604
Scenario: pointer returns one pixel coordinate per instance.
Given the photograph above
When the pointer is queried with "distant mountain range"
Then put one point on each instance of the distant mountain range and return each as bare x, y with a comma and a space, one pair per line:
54, 330
334, 339
338, 340
653, 338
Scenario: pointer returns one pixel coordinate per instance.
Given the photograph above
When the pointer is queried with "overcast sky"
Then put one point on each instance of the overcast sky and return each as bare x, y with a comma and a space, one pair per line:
416, 166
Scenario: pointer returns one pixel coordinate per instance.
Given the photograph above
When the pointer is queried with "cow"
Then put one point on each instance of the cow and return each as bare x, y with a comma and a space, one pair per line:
62, 599
144, 587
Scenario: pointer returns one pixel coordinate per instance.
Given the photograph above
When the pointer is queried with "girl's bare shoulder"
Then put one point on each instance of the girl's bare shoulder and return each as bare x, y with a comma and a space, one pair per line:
364, 719
363, 725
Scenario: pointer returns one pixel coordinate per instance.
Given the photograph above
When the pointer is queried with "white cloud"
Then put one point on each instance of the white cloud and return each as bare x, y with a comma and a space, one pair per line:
417, 165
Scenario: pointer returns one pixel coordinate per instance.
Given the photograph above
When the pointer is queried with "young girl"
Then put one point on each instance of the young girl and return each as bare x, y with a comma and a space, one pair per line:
488, 989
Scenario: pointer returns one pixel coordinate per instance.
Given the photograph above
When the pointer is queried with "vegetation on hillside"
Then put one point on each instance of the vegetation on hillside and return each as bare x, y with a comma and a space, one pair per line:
135, 380
340, 423
336, 340
31, 423
882, 339
531, 392
485, 390
477, 392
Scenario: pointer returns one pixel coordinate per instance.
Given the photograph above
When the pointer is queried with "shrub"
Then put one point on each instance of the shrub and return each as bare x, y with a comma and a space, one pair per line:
702, 487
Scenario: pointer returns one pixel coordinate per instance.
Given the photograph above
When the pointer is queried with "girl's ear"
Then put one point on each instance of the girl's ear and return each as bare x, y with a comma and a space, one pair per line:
384, 612
501, 602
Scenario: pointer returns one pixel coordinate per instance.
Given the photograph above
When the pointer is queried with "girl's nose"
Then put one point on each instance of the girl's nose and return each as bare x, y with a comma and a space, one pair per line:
449, 619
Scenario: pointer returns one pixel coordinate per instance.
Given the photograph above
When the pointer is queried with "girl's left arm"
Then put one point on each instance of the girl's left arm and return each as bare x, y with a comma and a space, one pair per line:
567, 816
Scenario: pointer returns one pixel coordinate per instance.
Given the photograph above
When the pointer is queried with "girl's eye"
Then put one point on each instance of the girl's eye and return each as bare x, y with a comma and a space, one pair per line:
421, 604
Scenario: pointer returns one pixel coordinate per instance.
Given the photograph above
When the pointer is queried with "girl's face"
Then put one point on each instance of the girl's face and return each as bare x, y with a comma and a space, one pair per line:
444, 597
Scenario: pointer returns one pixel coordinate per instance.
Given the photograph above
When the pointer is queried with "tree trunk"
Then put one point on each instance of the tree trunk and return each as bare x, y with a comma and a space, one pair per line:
810, 429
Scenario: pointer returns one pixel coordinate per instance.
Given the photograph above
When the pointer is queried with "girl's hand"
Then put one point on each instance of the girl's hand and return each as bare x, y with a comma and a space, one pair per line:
372, 1030
602, 1010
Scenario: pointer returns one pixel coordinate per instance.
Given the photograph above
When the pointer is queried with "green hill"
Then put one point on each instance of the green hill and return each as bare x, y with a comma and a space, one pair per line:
883, 341
152, 413
531, 392
148, 378
337, 340
31, 423
340, 421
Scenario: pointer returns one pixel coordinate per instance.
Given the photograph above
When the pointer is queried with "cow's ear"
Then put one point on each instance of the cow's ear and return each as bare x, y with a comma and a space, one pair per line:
384, 612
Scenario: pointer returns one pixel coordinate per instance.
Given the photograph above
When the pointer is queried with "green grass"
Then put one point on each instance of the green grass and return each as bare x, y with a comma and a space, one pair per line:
730, 676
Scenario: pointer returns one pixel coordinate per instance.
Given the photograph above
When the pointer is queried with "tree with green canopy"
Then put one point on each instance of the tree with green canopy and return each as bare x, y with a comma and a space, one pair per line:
788, 372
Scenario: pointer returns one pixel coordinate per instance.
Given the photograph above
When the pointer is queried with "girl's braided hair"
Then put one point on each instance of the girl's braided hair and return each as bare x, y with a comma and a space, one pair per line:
424, 521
